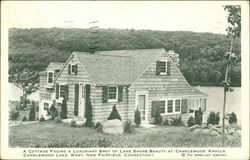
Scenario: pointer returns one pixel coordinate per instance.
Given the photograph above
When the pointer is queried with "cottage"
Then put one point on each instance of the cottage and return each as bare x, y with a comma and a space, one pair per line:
145, 78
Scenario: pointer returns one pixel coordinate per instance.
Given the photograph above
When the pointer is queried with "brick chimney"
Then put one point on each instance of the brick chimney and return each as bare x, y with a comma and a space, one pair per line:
175, 57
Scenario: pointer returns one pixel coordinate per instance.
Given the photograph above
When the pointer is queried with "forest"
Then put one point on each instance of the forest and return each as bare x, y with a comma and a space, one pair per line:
203, 56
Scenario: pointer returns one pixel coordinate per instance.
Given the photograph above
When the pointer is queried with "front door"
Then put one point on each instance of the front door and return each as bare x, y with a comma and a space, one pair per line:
81, 111
142, 104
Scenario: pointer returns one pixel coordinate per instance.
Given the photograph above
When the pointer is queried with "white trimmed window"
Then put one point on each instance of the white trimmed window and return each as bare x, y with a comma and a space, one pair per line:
162, 107
112, 93
45, 106
50, 77
173, 106
177, 105
72, 68
170, 106
163, 66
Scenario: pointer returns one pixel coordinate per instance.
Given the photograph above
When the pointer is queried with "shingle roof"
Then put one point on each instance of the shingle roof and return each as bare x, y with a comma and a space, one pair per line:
57, 65
105, 69
141, 58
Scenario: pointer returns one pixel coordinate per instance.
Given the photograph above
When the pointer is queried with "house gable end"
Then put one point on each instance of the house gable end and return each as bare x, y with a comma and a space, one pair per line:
164, 85
82, 75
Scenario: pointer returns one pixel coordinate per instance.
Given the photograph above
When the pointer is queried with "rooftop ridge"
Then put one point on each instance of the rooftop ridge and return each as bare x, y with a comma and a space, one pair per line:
132, 50
103, 55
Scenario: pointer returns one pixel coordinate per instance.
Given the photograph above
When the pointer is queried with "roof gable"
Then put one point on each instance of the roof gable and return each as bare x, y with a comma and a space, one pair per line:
105, 69
140, 58
55, 65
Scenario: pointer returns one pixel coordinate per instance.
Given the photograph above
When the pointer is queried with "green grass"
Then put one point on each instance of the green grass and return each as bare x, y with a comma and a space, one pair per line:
44, 133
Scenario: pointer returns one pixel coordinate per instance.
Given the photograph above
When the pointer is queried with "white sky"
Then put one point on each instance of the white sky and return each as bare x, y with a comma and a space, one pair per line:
171, 16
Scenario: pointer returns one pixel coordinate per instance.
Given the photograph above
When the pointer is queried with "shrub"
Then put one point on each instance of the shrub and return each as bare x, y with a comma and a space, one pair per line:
137, 117
177, 121
128, 127
166, 122
114, 114
232, 118
52, 111
158, 118
24, 118
88, 114
23, 103
73, 123
64, 109
32, 115
191, 121
213, 118
42, 119
58, 119
198, 117
14, 114
99, 127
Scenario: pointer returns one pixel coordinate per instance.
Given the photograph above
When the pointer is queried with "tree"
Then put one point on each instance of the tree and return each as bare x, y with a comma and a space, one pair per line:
114, 114
64, 109
88, 113
233, 31
32, 115
234, 20
27, 81
137, 117
232, 118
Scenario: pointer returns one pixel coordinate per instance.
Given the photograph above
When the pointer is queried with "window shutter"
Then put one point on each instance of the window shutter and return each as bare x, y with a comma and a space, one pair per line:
57, 91
168, 68
87, 90
158, 69
69, 66
184, 106
105, 94
76, 69
66, 88
155, 104
76, 99
120, 89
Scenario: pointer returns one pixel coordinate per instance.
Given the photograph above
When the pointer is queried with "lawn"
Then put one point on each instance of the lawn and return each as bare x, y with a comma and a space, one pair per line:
44, 133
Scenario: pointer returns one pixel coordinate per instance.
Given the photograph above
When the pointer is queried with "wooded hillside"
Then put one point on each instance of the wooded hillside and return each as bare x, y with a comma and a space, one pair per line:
202, 55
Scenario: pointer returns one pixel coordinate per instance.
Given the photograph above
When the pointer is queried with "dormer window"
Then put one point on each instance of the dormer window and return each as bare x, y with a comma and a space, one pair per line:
163, 67
112, 93
50, 77
72, 68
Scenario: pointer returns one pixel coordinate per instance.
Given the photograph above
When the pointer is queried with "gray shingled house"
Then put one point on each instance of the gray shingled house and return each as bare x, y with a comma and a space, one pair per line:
145, 78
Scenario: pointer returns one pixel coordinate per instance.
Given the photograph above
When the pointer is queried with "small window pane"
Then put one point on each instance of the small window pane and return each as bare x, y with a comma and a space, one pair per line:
162, 66
112, 93
162, 107
45, 106
50, 77
177, 105
170, 106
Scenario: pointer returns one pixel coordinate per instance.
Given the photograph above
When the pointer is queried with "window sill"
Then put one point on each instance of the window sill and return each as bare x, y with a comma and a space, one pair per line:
163, 73
168, 114
112, 100
59, 100
49, 85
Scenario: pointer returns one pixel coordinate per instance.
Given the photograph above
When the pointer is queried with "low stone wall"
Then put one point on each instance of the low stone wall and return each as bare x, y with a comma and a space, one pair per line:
216, 130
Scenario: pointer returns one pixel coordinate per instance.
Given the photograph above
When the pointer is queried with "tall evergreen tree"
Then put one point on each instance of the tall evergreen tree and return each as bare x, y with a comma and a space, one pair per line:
32, 115
64, 109
88, 113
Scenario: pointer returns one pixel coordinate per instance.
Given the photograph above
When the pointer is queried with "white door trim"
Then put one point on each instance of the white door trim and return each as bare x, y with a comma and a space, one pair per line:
137, 93
81, 101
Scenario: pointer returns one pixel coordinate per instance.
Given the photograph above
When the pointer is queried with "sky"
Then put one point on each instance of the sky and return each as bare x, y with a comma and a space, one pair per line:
168, 16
